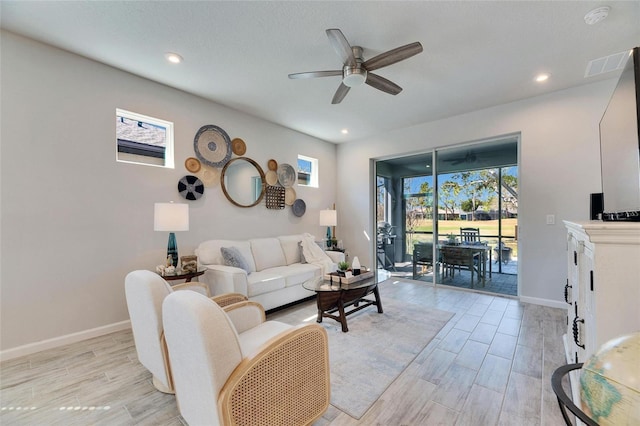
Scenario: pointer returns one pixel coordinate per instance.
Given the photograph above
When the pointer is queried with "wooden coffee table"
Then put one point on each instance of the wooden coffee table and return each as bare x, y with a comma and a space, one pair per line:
333, 296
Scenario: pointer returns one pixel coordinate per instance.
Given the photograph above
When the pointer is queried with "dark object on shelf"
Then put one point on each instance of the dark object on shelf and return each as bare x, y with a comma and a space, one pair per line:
630, 216
596, 206
563, 398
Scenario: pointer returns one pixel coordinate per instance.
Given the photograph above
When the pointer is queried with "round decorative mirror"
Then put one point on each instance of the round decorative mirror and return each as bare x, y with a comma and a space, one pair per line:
243, 182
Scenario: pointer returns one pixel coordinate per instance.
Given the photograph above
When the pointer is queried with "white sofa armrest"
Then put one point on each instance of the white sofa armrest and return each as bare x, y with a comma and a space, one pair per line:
225, 279
335, 256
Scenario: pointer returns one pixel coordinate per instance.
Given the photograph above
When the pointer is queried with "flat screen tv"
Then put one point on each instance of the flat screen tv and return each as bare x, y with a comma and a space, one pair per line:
620, 146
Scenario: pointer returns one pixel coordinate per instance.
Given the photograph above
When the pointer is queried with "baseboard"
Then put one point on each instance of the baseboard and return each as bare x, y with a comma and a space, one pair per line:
42, 345
544, 302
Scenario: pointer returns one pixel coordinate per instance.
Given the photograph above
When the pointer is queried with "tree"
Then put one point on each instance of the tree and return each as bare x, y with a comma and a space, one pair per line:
468, 205
447, 197
426, 202
475, 185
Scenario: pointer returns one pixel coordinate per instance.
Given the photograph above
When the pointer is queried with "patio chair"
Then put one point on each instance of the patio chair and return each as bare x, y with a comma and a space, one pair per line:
502, 252
422, 256
460, 258
469, 235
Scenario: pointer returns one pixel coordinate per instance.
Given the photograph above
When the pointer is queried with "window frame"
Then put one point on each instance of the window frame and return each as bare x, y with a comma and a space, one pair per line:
314, 181
146, 150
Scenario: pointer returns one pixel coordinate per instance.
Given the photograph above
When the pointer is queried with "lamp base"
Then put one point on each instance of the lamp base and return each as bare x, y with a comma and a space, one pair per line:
172, 249
328, 237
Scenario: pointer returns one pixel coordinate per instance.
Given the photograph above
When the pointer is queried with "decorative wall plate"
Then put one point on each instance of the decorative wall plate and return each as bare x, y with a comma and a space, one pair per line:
272, 165
212, 145
192, 164
271, 177
210, 176
238, 146
190, 187
289, 196
286, 175
299, 207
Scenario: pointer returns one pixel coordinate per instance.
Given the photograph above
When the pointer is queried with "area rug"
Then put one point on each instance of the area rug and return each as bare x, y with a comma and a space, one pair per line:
376, 350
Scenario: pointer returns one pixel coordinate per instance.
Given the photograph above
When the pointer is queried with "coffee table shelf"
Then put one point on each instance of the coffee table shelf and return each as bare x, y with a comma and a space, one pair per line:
334, 297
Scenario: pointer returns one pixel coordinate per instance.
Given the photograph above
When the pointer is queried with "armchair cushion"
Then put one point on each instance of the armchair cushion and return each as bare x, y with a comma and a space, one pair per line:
232, 257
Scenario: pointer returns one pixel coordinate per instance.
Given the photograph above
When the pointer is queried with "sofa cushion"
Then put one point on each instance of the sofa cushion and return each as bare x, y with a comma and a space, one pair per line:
298, 273
232, 257
265, 281
291, 248
209, 253
267, 253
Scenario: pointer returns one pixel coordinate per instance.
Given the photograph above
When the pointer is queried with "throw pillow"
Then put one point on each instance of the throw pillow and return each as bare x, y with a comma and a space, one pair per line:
302, 259
232, 257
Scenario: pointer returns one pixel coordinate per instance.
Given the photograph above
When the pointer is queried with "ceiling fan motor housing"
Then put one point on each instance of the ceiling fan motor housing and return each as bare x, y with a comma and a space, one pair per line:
353, 76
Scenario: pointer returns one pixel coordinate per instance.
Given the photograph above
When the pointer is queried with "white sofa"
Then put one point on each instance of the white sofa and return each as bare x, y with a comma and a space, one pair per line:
275, 269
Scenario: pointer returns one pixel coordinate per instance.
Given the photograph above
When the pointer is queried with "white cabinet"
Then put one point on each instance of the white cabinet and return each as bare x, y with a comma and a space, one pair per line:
603, 286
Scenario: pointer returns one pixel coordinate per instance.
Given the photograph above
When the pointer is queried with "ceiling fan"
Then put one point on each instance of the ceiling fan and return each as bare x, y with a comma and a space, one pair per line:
355, 70
469, 157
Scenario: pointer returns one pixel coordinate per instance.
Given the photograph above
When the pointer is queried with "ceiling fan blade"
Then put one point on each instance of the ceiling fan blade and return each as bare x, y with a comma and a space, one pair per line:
340, 93
341, 46
383, 84
392, 56
314, 74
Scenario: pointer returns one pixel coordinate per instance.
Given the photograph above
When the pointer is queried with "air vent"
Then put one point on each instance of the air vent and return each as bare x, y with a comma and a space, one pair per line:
606, 64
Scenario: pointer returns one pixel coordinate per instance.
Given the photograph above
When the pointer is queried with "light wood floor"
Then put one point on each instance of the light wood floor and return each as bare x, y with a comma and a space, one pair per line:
490, 365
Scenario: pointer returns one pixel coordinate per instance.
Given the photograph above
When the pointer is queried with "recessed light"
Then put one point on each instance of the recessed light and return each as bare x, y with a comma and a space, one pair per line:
344, 131
542, 77
596, 15
174, 58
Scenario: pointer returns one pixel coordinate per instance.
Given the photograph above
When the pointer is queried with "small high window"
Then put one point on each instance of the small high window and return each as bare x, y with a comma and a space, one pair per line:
307, 171
143, 140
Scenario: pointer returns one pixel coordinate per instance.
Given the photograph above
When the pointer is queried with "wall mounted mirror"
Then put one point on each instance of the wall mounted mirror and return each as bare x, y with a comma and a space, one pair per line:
243, 182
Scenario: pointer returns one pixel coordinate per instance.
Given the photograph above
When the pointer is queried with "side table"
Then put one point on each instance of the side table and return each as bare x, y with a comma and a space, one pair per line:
186, 276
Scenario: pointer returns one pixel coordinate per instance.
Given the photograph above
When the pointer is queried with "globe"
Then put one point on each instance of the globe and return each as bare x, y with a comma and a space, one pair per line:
610, 382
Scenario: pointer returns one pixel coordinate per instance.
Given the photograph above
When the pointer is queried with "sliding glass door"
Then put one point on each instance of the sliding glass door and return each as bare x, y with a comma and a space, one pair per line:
428, 203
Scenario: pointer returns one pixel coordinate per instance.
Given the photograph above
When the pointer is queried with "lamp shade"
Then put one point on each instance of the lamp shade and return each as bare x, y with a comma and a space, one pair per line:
171, 217
328, 218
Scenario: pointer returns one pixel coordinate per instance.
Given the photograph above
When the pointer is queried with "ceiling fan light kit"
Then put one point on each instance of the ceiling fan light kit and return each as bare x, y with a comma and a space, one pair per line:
353, 76
356, 71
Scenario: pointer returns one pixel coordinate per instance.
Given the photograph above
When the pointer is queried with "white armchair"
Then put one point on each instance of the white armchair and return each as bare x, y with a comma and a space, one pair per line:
231, 367
145, 291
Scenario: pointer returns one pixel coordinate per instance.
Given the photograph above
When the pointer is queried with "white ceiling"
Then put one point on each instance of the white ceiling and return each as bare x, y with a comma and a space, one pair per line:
238, 53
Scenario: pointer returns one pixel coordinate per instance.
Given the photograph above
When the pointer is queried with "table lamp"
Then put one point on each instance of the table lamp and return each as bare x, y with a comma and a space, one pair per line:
171, 217
328, 218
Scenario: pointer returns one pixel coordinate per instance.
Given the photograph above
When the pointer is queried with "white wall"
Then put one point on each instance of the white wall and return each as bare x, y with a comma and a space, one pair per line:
74, 222
559, 168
